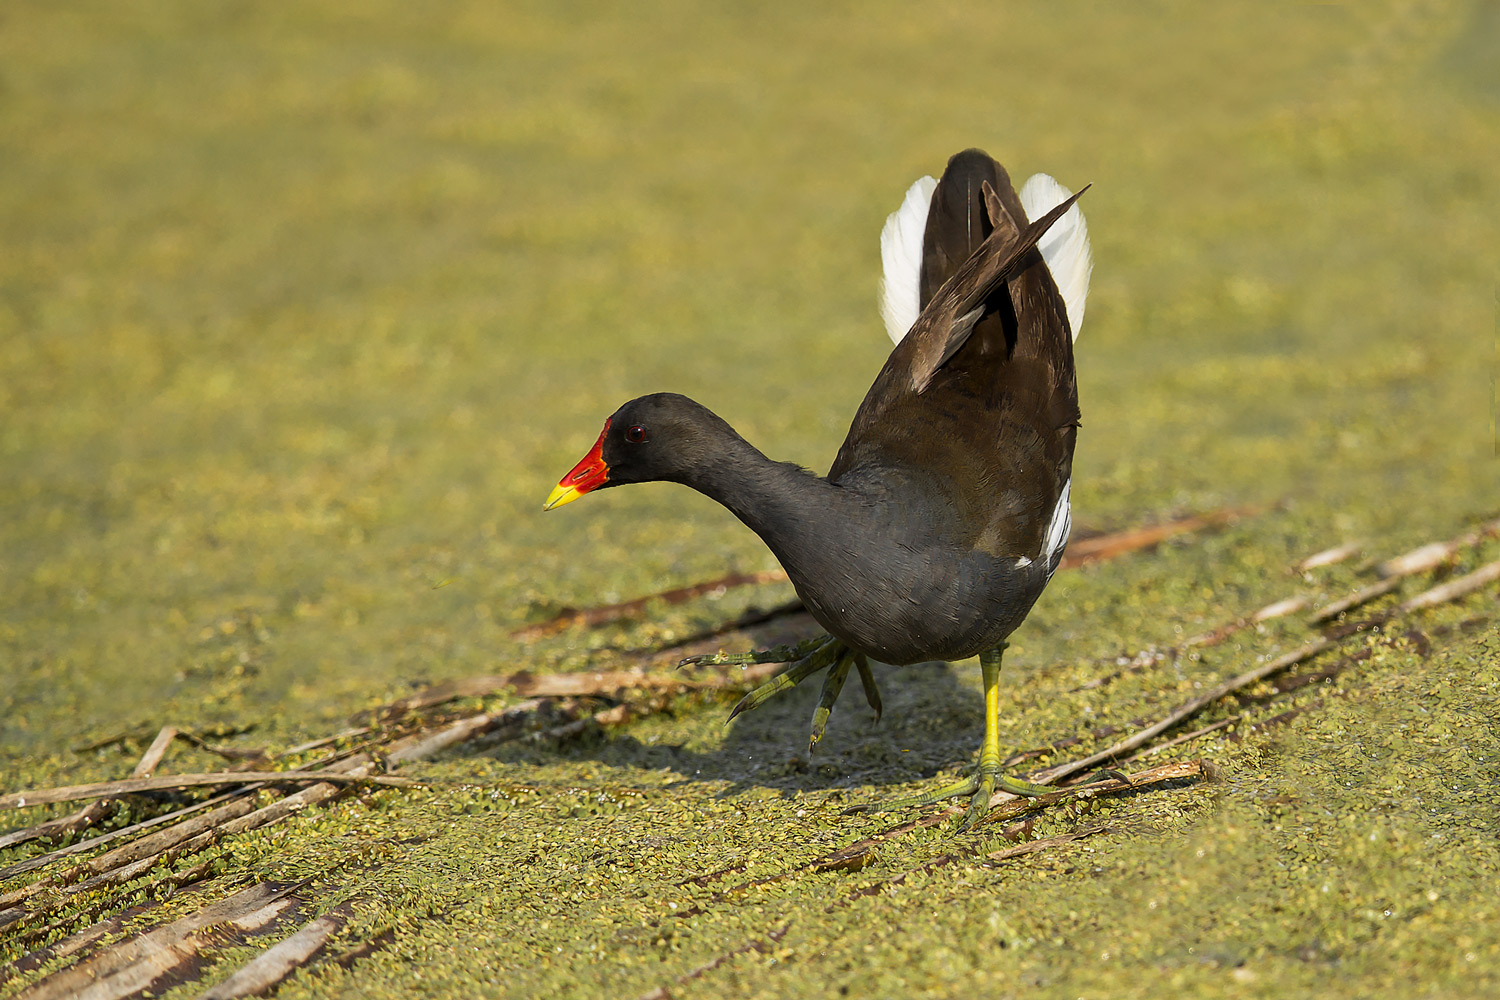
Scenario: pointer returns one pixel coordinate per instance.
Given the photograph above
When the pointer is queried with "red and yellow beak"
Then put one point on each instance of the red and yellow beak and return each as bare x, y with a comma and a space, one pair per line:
589, 474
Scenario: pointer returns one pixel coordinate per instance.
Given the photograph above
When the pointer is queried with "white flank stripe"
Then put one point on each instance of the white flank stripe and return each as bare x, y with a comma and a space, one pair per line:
1057, 528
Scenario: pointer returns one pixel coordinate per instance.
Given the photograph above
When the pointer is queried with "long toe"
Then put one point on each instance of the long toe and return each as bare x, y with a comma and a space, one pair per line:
1025, 788
979, 805
833, 683
979, 789
821, 656
776, 654
953, 791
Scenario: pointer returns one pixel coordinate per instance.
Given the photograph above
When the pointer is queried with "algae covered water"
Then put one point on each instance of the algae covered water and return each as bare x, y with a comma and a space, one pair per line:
302, 311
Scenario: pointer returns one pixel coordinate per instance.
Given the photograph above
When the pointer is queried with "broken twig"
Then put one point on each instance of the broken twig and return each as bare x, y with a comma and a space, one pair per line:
130, 786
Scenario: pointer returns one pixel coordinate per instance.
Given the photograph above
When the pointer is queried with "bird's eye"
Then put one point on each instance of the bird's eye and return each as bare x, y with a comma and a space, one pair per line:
635, 434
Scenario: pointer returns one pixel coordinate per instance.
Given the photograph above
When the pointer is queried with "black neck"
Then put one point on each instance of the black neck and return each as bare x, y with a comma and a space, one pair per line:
787, 506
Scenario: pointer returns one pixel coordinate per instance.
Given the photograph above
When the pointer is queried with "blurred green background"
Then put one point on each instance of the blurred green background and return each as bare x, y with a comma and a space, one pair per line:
304, 308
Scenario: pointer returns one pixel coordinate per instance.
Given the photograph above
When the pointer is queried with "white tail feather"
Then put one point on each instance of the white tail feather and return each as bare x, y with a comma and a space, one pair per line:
901, 259
1065, 247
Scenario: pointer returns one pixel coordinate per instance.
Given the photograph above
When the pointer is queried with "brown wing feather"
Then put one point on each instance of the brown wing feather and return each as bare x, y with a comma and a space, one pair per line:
991, 402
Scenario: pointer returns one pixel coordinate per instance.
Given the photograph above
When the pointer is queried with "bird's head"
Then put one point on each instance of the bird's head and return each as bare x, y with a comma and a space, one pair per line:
660, 437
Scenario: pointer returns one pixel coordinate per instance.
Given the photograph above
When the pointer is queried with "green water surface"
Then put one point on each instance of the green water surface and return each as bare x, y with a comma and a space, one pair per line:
305, 307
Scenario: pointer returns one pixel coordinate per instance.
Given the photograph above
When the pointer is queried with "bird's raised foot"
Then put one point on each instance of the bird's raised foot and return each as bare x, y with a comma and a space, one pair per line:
776, 654
824, 651
867, 680
834, 683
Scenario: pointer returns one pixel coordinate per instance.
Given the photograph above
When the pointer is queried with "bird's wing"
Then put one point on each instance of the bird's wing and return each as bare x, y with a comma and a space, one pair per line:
1065, 248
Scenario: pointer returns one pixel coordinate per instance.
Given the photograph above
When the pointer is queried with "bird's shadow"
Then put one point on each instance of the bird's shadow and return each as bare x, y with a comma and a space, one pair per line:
931, 722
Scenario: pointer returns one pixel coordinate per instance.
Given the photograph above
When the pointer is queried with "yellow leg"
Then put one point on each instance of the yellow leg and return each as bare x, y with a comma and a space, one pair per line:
987, 776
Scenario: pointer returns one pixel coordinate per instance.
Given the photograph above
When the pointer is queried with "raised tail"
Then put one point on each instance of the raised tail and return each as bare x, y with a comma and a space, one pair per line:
1065, 248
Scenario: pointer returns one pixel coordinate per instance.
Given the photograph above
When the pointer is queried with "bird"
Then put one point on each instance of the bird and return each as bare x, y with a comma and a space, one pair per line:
948, 506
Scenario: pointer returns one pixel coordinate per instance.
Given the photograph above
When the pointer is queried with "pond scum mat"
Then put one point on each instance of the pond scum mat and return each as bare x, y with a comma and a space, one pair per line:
304, 307
155, 886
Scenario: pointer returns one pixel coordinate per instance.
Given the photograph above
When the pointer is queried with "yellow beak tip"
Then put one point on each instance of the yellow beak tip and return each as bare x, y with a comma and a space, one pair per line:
560, 495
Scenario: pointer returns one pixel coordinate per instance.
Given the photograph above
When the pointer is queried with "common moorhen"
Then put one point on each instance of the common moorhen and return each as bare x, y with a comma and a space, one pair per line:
946, 510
